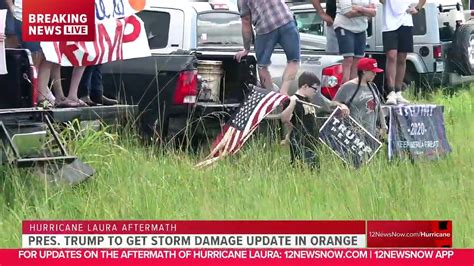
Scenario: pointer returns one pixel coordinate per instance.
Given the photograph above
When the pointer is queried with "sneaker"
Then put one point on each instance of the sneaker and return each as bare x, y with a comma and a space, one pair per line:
391, 98
400, 98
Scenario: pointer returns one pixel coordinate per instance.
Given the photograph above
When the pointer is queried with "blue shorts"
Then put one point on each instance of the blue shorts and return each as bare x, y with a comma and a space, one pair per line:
287, 36
351, 44
34, 47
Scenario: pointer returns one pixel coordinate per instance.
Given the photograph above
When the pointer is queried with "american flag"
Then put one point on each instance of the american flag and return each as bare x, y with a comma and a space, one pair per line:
257, 106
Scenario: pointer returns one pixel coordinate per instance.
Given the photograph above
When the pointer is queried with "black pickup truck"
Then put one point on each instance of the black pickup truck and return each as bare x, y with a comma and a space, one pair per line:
192, 48
25, 129
168, 91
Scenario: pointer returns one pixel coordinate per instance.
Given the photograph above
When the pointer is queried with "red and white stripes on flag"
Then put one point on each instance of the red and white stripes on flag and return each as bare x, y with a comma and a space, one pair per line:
258, 105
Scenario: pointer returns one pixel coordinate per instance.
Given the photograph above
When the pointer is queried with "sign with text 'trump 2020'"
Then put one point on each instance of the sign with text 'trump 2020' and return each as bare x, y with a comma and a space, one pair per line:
417, 132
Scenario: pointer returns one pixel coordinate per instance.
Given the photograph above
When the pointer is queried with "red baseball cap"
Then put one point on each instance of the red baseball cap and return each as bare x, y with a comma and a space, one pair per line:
369, 64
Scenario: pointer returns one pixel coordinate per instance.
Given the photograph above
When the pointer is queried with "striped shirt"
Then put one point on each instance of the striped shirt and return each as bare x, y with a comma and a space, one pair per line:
267, 15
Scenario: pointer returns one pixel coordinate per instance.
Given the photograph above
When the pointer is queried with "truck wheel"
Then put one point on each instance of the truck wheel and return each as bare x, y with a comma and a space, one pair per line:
153, 128
461, 54
411, 78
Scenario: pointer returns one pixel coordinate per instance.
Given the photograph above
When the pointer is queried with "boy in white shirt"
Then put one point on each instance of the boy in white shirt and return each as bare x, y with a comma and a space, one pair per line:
398, 42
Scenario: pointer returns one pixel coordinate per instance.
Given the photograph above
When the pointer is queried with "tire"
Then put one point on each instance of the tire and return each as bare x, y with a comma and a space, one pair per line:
461, 53
411, 77
414, 83
153, 126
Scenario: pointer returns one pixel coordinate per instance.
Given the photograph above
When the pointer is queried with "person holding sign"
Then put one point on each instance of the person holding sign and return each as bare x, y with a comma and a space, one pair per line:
47, 70
301, 115
363, 99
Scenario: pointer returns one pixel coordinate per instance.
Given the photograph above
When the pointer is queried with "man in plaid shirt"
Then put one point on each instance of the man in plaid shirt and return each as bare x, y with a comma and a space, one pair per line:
274, 24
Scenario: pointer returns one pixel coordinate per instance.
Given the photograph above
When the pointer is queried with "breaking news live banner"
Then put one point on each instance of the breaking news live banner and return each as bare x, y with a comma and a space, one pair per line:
86, 32
236, 243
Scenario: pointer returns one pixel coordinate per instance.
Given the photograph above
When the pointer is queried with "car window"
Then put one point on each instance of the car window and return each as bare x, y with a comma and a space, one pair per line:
157, 26
309, 22
419, 23
219, 28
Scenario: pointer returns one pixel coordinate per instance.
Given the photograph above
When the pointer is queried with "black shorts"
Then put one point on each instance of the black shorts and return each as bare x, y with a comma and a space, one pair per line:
400, 40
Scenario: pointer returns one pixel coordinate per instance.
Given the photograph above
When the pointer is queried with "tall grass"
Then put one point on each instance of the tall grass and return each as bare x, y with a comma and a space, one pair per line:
136, 182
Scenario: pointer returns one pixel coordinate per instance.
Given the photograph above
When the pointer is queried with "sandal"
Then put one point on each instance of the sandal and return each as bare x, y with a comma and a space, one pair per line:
80, 102
66, 103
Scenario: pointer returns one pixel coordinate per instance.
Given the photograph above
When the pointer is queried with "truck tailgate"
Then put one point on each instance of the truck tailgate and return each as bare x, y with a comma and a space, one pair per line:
313, 61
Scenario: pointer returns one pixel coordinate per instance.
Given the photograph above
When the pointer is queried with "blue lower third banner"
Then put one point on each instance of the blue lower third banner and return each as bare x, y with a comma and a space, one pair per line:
417, 132
348, 139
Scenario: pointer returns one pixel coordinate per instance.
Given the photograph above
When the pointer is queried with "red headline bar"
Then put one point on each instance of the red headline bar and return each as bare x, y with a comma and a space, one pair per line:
301, 257
194, 227
409, 234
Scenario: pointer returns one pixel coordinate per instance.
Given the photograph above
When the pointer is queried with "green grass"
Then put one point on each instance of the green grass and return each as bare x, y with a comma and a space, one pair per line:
134, 182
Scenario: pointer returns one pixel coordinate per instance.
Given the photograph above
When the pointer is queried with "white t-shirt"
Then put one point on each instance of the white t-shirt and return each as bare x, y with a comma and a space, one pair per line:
17, 10
395, 14
356, 24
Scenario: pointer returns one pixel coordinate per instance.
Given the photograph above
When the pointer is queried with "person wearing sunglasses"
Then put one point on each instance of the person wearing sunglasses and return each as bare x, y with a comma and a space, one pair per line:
300, 116
362, 97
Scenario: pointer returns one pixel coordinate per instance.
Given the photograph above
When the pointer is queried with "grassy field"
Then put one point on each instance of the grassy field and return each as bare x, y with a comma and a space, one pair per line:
137, 183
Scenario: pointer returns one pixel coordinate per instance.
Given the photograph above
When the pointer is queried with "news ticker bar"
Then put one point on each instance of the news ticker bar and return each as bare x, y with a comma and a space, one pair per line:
273, 257
194, 241
236, 234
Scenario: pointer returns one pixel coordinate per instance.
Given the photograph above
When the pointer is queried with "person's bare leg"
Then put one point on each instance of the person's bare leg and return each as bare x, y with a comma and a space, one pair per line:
56, 78
44, 73
390, 74
265, 77
391, 68
289, 76
75, 81
401, 69
354, 67
346, 68
38, 58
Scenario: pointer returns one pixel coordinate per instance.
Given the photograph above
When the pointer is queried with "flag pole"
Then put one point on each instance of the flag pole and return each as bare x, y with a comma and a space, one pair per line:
310, 104
278, 116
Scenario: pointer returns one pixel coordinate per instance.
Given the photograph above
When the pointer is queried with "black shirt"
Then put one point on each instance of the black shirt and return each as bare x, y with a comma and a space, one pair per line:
304, 123
331, 8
